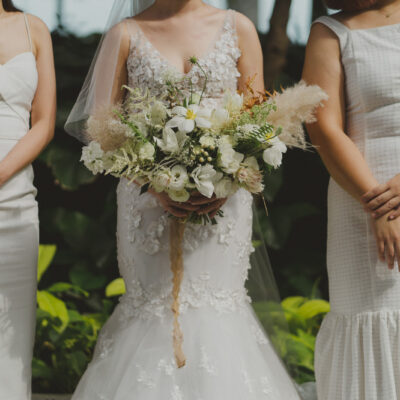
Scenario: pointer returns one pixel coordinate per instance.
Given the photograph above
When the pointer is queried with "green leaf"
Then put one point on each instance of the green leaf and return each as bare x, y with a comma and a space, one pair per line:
116, 288
66, 167
86, 279
293, 302
41, 370
55, 307
46, 255
313, 308
61, 287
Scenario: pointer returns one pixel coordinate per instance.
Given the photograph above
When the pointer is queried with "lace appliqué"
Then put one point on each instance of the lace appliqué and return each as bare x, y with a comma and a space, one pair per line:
149, 69
206, 363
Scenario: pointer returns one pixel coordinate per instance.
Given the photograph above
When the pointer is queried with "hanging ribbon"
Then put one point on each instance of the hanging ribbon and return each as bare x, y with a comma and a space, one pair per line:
177, 230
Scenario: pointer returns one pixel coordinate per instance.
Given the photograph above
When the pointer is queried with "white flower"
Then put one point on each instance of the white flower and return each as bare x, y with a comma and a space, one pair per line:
158, 113
186, 119
247, 129
274, 154
92, 157
171, 141
179, 178
224, 188
180, 196
207, 141
161, 180
233, 102
249, 175
146, 151
219, 117
229, 160
203, 177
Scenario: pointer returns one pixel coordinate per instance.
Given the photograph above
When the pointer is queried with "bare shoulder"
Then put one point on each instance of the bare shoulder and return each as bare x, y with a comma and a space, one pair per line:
244, 24
37, 25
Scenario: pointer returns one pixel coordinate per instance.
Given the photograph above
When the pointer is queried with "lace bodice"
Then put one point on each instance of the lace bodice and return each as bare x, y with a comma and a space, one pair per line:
148, 68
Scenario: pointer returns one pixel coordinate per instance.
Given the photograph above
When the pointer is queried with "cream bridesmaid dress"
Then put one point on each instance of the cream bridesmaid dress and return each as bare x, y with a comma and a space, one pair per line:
19, 234
358, 347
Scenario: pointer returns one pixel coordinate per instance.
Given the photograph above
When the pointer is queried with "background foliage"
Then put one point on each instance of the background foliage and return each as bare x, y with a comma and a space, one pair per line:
78, 215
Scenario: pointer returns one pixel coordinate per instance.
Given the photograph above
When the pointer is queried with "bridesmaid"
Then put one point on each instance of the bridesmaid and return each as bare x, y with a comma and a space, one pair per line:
27, 91
354, 56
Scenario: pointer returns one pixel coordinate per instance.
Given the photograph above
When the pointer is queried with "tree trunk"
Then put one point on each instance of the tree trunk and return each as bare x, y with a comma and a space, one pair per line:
319, 9
276, 42
246, 7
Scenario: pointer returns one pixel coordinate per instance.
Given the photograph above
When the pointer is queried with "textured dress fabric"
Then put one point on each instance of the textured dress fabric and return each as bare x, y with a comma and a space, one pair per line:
19, 234
358, 347
228, 354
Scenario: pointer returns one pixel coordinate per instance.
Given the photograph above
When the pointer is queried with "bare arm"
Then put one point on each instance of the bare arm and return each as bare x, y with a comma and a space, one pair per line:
251, 61
43, 106
341, 156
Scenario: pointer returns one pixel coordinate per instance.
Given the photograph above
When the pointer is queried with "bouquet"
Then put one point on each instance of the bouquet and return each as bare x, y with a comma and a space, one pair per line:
179, 144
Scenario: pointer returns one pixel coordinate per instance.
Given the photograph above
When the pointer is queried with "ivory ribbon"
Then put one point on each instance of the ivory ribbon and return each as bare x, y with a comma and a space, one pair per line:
177, 230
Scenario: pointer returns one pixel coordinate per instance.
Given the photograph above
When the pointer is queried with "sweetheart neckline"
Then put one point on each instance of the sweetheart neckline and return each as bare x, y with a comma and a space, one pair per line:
16, 57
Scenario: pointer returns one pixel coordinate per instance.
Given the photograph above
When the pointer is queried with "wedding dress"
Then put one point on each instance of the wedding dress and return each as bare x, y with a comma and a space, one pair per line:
358, 347
228, 355
19, 232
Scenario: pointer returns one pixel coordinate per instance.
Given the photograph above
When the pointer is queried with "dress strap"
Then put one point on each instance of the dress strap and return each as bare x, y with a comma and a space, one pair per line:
339, 29
28, 31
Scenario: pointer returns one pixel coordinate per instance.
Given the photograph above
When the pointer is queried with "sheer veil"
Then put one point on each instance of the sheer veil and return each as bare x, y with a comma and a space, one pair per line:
98, 91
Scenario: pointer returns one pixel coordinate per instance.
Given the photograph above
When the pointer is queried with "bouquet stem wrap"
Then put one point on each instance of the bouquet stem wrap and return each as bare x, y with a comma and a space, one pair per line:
177, 230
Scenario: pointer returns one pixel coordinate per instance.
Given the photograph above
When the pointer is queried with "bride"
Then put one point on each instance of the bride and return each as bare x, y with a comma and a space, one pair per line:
228, 354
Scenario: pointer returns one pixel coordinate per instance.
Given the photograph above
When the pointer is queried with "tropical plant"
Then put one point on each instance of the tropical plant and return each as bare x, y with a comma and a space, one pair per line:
65, 338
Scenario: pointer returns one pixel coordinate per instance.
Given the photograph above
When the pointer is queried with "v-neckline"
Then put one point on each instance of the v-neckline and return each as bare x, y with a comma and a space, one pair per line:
203, 57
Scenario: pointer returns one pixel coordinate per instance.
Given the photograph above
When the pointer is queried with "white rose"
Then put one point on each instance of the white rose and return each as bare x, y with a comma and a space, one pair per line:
203, 177
224, 188
180, 196
161, 180
233, 102
179, 178
229, 160
274, 154
147, 151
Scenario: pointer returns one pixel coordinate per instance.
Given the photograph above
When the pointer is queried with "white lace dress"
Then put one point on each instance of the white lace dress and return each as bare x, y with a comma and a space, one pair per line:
228, 355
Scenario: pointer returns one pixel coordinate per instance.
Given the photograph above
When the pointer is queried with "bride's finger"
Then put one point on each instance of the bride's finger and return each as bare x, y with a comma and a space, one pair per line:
212, 208
184, 206
199, 201
177, 212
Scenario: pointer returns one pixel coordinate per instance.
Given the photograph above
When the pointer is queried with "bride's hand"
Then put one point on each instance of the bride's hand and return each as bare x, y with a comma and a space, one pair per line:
177, 209
387, 235
383, 199
206, 205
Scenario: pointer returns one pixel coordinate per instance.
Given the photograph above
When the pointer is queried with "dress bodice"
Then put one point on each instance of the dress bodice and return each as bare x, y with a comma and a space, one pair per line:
212, 253
371, 63
149, 69
18, 83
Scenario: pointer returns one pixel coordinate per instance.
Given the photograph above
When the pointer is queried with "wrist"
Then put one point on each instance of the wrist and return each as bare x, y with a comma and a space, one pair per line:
4, 177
